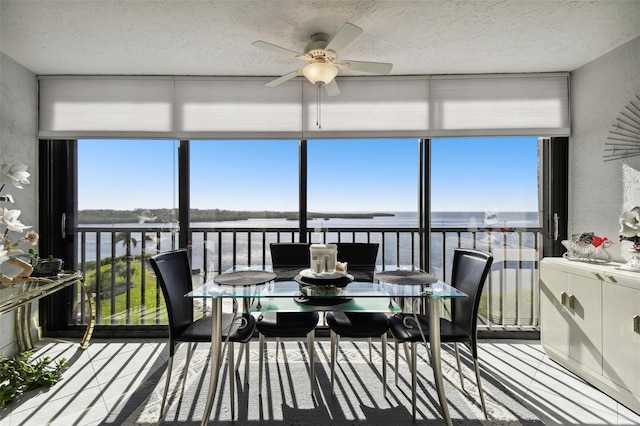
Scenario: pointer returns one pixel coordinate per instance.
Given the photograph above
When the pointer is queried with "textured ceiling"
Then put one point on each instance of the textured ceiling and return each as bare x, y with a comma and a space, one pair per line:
182, 37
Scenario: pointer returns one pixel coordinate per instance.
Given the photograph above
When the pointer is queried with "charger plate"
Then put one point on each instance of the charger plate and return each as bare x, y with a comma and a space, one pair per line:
402, 276
244, 278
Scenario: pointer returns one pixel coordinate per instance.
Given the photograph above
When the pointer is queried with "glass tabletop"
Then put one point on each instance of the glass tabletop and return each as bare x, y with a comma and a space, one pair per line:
364, 285
31, 289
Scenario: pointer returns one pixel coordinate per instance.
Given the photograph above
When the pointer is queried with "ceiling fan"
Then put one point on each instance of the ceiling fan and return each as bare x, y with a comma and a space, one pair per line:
321, 57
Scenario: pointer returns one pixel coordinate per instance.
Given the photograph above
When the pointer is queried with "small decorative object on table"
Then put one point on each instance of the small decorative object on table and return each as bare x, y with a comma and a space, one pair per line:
47, 267
587, 247
630, 231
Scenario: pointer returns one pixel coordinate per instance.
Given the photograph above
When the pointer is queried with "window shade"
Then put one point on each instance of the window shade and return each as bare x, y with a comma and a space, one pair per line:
368, 107
495, 105
105, 107
242, 107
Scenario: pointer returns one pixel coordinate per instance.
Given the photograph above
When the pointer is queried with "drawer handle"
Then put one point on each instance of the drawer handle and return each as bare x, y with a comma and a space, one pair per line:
598, 276
567, 300
563, 298
636, 324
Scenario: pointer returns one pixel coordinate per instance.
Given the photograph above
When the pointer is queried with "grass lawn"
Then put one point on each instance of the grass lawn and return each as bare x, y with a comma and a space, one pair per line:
146, 305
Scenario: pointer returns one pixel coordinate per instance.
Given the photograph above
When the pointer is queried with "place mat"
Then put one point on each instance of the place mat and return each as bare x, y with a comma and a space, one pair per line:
244, 278
402, 276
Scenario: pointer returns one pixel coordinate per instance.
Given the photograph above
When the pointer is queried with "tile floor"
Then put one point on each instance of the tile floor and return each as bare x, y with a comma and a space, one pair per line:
109, 371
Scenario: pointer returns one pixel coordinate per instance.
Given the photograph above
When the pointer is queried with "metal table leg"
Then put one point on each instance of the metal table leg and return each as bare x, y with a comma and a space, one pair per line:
92, 316
20, 323
216, 346
435, 306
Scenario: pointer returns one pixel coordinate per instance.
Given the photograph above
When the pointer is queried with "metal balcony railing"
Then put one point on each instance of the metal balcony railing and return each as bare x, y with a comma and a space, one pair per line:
114, 261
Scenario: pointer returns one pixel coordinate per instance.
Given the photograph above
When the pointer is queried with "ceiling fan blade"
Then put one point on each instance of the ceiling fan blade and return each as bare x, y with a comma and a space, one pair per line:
344, 36
286, 77
332, 88
373, 67
273, 48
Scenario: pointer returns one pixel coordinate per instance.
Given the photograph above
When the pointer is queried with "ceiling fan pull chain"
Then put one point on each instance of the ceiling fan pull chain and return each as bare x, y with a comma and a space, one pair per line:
318, 116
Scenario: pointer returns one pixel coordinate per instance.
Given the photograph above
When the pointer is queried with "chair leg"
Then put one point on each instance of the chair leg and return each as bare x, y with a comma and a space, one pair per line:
334, 351
260, 361
277, 347
414, 377
186, 366
232, 379
186, 369
369, 350
384, 364
477, 368
406, 354
310, 346
455, 347
166, 386
246, 362
396, 360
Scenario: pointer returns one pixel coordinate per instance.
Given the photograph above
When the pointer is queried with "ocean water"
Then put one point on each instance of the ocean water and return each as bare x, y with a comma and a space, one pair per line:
396, 247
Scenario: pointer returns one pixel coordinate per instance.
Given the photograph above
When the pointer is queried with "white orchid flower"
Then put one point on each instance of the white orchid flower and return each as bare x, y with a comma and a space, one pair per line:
10, 218
18, 174
3, 254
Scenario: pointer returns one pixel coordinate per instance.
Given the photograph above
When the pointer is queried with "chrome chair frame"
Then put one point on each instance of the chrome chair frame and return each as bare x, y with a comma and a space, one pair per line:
175, 283
288, 255
469, 273
361, 260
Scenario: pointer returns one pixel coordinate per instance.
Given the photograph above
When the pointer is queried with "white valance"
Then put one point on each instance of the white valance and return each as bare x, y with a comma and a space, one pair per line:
536, 105
75, 107
242, 107
368, 107
227, 108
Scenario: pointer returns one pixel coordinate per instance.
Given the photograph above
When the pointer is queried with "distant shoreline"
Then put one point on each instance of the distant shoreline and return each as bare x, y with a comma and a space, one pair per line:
100, 216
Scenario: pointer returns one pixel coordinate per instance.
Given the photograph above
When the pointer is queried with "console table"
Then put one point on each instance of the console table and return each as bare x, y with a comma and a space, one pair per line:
590, 324
18, 298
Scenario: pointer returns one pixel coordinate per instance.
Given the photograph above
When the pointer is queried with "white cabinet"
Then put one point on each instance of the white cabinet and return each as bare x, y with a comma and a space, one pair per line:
572, 322
590, 324
621, 342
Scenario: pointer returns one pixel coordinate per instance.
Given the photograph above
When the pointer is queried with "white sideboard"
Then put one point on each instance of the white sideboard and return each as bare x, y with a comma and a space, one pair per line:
590, 324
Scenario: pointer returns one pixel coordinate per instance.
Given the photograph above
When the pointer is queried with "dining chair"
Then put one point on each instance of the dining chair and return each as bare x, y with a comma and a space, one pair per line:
173, 273
287, 256
470, 269
361, 263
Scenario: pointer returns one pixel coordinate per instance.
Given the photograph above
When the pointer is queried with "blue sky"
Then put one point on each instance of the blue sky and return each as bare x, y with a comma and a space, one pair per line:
468, 174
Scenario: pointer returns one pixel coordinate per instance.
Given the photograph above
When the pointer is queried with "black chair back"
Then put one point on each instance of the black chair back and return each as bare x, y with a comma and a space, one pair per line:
290, 254
361, 259
360, 255
173, 272
470, 270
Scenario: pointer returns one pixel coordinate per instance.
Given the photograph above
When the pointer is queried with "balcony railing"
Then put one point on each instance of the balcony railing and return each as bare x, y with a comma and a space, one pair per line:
114, 261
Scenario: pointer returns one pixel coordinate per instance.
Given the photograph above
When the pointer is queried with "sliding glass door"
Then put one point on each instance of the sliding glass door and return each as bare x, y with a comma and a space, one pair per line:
417, 198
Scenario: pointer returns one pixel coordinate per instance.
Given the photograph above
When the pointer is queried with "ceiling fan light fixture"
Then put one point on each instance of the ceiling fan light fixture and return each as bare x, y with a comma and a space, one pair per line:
320, 73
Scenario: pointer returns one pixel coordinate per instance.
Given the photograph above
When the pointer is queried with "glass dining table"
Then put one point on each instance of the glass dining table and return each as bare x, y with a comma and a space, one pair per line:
263, 289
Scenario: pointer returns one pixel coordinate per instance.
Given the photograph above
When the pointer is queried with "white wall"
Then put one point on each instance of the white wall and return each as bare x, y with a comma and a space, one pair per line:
18, 144
600, 191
